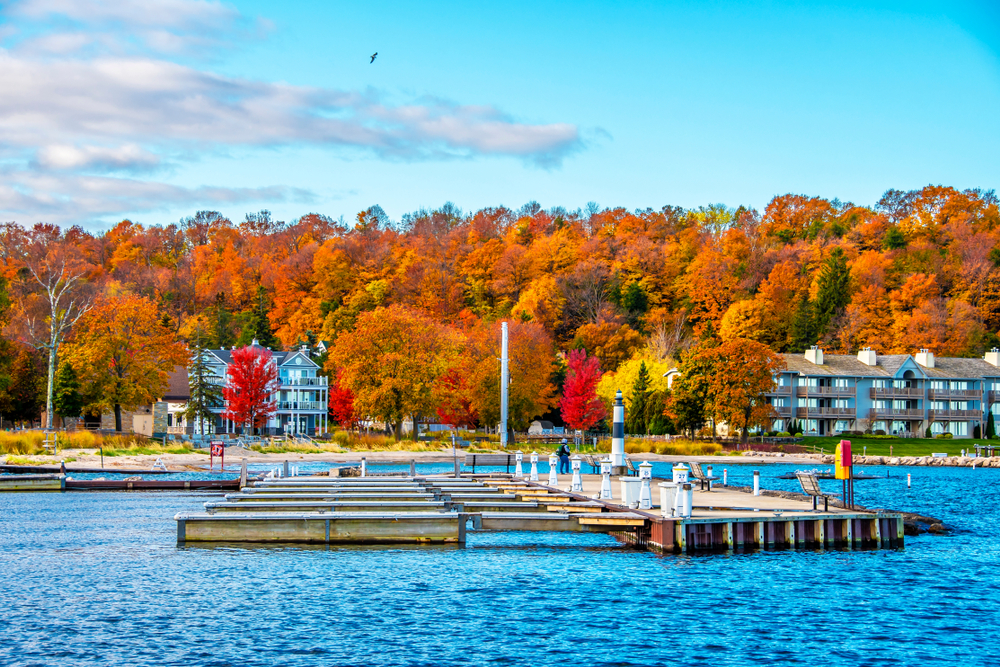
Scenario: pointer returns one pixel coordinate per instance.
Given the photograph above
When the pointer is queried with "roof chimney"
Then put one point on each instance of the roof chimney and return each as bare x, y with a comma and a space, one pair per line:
815, 355
925, 358
867, 356
993, 357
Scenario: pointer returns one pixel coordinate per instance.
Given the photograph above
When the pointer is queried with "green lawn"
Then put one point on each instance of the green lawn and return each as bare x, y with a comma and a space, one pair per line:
900, 447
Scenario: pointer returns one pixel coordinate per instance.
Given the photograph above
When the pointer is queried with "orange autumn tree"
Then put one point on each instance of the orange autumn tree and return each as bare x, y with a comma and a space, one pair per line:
743, 372
391, 361
124, 354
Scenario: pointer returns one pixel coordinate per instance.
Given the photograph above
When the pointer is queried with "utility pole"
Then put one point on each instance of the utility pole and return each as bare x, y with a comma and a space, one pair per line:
504, 381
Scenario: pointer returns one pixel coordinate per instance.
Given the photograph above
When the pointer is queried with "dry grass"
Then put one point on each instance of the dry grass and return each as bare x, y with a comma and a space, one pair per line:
30, 442
672, 448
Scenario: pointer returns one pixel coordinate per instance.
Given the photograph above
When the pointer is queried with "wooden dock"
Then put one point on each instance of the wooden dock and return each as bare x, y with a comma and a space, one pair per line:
436, 510
32, 482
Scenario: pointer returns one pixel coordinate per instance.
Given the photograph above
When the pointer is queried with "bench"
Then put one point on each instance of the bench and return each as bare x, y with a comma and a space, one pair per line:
699, 475
593, 462
632, 470
506, 460
810, 487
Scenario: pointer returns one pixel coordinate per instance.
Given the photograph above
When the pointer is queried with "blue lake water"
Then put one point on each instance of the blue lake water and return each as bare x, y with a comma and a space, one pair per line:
97, 579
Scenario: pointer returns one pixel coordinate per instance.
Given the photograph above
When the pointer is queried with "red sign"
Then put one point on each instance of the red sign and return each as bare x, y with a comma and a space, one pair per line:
216, 449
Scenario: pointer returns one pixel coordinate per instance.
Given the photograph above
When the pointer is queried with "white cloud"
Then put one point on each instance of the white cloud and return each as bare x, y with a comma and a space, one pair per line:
126, 157
89, 90
73, 199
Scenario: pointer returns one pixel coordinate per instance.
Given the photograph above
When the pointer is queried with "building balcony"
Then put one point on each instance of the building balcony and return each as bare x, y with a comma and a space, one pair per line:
782, 390
955, 394
286, 406
783, 411
890, 413
304, 382
897, 392
954, 415
847, 392
824, 411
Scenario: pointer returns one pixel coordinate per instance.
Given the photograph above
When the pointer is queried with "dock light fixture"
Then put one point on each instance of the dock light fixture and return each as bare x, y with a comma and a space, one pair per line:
645, 494
518, 469
577, 480
534, 466
553, 470
605, 479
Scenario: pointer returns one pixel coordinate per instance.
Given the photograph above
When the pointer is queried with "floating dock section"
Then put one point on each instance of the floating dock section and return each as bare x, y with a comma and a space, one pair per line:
32, 482
440, 510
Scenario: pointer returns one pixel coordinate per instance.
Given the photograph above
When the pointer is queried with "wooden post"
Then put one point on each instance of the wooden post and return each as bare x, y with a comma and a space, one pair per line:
759, 535
729, 535
878, 533
848, 532
790, 533
820, 533
413, 467
680, 532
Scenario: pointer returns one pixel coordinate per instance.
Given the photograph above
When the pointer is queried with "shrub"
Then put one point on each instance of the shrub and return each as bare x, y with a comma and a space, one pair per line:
927, 433
798, 435
784, 434
944, 436
879, 431
976, 433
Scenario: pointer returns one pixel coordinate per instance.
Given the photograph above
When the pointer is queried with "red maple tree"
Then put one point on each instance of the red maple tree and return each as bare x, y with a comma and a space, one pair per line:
341, 405
455, 406
581, 409
250, 391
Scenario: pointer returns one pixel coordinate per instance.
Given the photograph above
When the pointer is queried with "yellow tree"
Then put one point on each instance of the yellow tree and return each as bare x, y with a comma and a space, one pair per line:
124, 354
743, 373
392, 360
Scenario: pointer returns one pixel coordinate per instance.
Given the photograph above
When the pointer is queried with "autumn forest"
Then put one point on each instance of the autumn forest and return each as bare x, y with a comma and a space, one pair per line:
423, 296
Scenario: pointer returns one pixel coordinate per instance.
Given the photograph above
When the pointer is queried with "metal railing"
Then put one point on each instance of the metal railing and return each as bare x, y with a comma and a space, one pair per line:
954, 414
301, 405
889, 412
827, 391
304, 382
955, 394
906, 392
825, 411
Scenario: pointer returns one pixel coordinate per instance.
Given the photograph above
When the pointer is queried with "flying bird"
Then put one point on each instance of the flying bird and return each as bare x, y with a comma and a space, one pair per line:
373, 57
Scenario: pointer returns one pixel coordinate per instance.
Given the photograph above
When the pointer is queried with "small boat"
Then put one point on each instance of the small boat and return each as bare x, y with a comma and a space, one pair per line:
828, 474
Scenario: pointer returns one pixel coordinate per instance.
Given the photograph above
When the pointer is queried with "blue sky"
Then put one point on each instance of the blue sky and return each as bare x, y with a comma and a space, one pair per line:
155, 109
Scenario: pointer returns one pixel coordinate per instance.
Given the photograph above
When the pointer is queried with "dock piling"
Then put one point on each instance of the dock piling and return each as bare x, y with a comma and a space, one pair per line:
756, 482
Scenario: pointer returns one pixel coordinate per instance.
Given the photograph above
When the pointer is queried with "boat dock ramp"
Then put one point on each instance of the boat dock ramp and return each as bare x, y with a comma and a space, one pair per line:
440, 510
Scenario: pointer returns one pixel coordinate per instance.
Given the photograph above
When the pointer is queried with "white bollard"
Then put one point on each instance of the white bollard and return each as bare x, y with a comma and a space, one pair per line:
364, 466
553, 470
518, 470
645, 494
577, 480
606, 478
907, 480
725, 477
534, 466
756, 482
686, 501
708, 473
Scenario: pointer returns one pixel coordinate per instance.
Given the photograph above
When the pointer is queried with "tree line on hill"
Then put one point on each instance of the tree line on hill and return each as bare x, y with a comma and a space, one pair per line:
638, 292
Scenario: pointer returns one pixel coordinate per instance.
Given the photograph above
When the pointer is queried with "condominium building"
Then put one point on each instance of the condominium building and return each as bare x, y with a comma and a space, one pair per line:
900, 394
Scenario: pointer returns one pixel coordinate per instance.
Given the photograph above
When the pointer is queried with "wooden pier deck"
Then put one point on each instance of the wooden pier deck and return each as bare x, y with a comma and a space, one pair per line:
437, 509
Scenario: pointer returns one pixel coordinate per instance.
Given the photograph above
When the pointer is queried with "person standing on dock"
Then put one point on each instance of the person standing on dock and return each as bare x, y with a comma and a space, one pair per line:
563, 457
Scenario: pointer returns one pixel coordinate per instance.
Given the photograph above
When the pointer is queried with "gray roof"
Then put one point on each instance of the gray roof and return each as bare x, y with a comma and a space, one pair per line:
887, 365
280, 356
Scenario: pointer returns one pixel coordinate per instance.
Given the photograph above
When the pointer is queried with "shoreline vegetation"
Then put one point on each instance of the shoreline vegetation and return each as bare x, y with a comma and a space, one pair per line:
27, 448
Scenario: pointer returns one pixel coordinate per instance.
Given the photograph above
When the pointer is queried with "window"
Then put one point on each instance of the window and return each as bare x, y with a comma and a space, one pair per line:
958, 428
939, 405
899, 427
878, 426
779, 425
812, 402
842, 425
809, 426
959, 405
936, 428
939, 385
840, 403
900, 405
882, 405
881, 384
959, 386
841, 382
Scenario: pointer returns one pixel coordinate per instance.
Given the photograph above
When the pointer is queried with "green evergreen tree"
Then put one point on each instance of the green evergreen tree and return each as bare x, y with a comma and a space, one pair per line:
206, 391
803, 331
67, 401
257, 325
635, 421
990, 426
221, 329
834, 291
